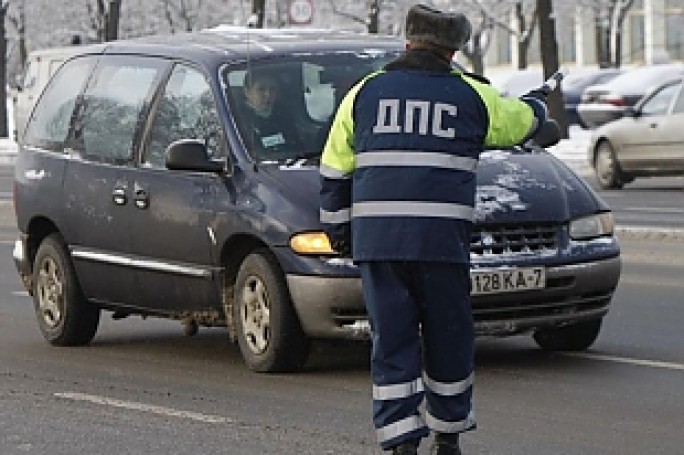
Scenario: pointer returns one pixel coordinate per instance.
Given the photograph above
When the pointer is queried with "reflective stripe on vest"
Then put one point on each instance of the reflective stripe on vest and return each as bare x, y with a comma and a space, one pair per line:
416, 158
412, 209
337, 217
333, 173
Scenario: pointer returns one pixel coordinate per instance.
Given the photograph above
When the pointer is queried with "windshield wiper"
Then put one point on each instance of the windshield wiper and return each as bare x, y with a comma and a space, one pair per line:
303, 158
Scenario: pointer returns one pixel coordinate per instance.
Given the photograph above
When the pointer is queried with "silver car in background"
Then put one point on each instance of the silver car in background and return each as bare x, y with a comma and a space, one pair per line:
647, 141
606, 102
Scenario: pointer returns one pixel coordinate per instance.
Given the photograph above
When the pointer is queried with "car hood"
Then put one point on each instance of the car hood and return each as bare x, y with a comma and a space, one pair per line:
530, 186
513, 187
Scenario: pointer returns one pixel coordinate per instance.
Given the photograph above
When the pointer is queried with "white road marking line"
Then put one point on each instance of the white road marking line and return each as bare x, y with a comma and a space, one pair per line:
21, 293
135, 406
639, 362
655, 209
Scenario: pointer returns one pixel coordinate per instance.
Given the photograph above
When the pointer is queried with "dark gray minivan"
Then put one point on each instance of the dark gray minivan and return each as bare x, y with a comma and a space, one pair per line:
140, 189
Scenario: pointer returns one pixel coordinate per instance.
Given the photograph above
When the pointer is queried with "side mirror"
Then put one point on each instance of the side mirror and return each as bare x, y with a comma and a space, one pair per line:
549, 134
191, 155
632, 112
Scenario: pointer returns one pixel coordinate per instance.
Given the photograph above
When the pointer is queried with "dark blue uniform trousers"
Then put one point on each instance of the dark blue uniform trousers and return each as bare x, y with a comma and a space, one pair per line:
422, 347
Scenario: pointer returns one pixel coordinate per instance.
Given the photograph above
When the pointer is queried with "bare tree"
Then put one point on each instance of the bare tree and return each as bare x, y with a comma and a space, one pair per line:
18, 20
371, 17
548, 44
182, 11
609, 19
334, 6
258, 13
524, 32
479, 42
4, 128
104, 18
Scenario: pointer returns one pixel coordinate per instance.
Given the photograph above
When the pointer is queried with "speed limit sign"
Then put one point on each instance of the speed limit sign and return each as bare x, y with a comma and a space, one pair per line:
300, 11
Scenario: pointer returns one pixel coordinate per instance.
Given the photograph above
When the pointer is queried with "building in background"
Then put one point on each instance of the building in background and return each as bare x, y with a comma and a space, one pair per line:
653, 32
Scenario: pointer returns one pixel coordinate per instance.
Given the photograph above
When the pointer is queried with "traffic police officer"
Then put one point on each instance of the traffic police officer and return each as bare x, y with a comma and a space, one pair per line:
398, 194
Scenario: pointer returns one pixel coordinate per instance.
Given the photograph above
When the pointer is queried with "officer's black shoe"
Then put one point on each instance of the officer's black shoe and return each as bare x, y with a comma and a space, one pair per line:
445, 444
406, 448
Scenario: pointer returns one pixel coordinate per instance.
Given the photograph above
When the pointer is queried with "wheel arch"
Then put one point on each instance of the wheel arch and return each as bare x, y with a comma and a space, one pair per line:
597, 144
233, 252
38, 228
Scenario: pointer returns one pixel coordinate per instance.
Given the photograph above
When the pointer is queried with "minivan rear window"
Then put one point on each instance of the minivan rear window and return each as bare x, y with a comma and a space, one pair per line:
283, 107
49, 125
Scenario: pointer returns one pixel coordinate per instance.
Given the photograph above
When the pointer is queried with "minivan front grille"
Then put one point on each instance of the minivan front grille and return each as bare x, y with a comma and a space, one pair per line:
499, 240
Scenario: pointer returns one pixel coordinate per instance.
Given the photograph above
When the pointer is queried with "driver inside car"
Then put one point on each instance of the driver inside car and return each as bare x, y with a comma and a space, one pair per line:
270, 130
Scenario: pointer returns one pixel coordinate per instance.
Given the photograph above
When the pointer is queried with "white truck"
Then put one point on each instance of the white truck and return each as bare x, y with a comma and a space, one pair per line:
40, 66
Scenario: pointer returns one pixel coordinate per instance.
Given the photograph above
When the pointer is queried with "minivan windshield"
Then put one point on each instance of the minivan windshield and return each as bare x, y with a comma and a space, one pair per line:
283, 107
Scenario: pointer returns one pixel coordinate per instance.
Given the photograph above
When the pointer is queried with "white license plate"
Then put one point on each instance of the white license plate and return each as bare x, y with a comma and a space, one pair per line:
496, 281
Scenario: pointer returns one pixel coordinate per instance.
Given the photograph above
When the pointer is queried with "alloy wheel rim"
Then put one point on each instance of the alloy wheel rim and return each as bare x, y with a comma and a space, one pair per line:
255, 315
50, 293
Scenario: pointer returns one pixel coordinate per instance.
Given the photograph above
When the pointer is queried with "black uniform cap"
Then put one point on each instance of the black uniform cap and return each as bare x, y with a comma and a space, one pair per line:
446, 30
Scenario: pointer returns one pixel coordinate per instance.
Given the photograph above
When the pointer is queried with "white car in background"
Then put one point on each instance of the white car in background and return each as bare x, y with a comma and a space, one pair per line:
39, 68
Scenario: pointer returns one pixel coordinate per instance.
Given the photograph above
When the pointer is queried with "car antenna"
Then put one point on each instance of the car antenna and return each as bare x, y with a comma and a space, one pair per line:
252, 22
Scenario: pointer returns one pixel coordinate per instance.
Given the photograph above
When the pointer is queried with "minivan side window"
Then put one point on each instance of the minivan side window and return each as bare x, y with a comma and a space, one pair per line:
186, 110
49, 124
113, 106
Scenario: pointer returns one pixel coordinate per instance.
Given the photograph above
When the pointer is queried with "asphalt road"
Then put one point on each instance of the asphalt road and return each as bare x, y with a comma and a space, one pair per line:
142, 387
647, 202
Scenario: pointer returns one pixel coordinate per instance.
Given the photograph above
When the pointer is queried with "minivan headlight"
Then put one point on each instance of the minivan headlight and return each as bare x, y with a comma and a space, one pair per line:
593, 226
311, 243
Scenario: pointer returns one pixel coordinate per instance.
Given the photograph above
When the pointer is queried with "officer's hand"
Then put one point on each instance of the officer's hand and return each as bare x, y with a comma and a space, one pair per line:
342, 247
536, 94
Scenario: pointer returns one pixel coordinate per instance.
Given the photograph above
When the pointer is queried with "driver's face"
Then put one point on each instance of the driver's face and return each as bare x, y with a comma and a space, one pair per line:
262, 94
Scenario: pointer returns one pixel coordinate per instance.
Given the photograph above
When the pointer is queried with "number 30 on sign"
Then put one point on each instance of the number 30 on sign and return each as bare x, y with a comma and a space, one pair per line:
300, 11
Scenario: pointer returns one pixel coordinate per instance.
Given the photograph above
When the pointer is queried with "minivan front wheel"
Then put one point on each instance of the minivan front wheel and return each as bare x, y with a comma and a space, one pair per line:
64, 316
268, 330
574, 337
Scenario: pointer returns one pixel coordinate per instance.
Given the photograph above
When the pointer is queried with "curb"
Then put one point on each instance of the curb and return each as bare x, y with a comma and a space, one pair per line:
649, 233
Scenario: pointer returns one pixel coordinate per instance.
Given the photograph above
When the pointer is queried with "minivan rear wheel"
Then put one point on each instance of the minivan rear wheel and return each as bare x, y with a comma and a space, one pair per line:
64, 315
574, 337
268, 330
608, 172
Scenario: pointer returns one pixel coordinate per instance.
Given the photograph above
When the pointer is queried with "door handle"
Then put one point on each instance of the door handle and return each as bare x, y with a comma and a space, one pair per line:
141, 198
119, 196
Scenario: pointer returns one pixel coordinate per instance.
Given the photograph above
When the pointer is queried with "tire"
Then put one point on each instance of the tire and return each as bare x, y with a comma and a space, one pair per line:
608, 172
268, 330
575, 337
64, 316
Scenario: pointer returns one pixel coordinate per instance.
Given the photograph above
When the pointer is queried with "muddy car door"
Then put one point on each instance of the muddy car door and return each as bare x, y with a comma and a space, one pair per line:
172, 232
100, 199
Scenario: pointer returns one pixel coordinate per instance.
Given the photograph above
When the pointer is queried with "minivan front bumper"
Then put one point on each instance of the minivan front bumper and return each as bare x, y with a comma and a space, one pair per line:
332, 307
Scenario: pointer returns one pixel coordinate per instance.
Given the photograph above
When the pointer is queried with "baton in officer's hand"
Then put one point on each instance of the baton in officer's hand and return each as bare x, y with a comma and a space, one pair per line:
547, 87
554, 81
